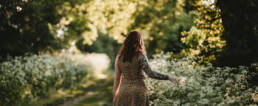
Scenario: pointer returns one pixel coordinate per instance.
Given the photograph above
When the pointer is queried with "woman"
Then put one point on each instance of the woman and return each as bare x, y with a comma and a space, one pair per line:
131, 63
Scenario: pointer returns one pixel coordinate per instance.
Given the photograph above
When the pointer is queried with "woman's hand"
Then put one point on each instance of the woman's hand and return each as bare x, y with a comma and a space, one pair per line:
174, 80
178, 81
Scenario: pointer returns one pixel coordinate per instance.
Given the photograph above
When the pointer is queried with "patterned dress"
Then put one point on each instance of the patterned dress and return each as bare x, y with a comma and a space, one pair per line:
132, 90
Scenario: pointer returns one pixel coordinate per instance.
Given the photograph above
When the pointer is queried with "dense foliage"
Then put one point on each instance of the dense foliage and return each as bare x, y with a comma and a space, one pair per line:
188, 27
204, 85
82, 21
204, 40
24, 26
23, 79
162, 22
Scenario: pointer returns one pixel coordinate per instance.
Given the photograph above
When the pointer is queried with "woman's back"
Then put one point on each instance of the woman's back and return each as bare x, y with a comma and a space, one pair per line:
132, 90
130, 70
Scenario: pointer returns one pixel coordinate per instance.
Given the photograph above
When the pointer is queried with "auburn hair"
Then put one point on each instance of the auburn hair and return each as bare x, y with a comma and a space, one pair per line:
132, 45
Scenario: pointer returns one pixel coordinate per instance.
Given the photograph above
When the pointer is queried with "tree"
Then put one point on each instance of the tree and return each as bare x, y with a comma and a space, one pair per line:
162, 23
240, 22
204, 39
24, 26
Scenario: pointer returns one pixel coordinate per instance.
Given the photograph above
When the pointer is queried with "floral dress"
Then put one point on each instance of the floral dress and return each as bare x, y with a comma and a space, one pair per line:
132, 90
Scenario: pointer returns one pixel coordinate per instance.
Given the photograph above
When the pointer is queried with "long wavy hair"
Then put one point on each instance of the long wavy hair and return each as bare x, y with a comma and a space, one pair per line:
132, 45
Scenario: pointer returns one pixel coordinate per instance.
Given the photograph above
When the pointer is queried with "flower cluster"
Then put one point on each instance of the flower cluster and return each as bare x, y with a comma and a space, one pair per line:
23, 79
204, 84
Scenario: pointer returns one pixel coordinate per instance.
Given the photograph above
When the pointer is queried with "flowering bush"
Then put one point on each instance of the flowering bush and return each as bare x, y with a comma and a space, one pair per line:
204, 85
23, 79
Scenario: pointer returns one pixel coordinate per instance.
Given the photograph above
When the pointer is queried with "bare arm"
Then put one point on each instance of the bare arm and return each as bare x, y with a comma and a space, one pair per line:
143, 62
117, 79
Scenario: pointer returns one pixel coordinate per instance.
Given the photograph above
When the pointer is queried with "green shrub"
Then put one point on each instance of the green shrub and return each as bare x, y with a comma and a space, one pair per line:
23, 79
204, 85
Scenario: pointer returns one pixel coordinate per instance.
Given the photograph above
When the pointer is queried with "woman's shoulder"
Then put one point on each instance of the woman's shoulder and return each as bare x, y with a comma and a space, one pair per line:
139, 54
117, 57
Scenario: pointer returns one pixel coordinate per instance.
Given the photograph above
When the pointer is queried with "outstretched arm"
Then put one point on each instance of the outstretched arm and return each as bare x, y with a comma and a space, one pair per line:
143, 62
117, 80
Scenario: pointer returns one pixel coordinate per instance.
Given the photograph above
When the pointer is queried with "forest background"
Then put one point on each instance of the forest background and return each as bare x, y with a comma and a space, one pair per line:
218, 32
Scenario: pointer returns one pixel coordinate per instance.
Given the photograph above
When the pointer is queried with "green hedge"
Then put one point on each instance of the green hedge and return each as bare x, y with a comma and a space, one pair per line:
23, 79
204, 84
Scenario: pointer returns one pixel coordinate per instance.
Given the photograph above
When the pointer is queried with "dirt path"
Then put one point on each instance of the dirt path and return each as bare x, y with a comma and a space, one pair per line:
100, 94
77, 100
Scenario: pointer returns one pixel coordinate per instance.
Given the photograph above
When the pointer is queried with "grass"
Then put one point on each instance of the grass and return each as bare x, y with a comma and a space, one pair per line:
90, 92
100, 96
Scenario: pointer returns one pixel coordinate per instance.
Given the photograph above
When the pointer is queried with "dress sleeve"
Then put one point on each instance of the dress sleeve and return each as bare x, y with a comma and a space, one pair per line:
143, 63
